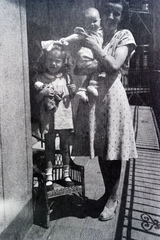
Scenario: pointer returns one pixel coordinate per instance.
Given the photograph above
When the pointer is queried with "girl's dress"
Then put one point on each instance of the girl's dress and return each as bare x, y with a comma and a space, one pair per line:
110, 129
62, 118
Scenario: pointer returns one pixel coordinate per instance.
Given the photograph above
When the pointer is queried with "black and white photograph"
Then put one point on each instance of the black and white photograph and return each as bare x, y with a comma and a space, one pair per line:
80, 120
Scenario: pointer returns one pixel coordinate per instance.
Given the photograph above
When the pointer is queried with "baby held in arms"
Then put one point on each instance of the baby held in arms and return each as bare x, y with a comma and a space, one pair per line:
86, 64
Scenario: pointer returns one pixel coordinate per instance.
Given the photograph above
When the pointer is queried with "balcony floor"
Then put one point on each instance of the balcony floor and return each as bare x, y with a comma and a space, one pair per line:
138, 214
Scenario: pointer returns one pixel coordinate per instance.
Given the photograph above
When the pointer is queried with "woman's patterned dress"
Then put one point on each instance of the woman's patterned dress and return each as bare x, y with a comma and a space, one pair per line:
105, 128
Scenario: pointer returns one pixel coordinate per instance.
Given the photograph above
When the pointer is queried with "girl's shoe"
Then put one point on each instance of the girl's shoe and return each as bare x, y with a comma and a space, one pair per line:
108, 213
49, 178
49, 185
68, 182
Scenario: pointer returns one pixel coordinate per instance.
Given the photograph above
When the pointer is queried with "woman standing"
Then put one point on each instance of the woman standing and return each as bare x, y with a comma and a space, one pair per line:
114, 139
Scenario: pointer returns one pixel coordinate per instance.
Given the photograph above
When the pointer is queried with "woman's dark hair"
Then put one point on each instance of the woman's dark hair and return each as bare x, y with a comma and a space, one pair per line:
66, 57
124, 23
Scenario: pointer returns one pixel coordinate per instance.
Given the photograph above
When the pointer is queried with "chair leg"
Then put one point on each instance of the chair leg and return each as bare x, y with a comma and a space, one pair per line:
41, 211
41, 205
45, 211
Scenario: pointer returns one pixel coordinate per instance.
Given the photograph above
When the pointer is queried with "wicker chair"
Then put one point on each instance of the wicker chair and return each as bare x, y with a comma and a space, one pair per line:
44, 198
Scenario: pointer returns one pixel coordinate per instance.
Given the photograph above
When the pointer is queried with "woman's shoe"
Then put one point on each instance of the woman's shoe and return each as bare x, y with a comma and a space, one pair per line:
108, 213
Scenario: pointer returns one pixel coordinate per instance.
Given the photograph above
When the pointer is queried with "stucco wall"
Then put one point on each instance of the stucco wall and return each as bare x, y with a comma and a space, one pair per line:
15, 132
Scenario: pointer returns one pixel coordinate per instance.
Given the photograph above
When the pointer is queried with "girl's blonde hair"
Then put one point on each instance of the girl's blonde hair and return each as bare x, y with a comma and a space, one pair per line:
67, 60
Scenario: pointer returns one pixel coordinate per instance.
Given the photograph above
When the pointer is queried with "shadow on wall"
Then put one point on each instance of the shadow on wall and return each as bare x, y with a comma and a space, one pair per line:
36, 34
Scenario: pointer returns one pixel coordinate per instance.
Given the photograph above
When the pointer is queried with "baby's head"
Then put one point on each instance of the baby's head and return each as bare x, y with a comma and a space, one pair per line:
56, 60
91, 19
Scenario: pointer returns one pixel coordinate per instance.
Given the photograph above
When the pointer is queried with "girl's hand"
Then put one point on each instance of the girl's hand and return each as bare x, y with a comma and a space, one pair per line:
47, 92
44, 92
72, 88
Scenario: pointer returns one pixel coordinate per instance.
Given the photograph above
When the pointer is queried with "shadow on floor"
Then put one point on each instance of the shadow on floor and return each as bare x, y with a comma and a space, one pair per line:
72, 206
139, 216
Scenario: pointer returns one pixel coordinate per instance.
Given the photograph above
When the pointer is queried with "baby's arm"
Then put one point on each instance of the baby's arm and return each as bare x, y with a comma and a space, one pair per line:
73, 38
78, 35
71, 86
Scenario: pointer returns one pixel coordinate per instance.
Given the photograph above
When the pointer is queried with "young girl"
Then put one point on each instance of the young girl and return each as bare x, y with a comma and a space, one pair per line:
53, 82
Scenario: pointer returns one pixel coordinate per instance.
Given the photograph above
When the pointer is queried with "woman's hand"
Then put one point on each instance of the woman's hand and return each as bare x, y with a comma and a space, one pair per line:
93, 45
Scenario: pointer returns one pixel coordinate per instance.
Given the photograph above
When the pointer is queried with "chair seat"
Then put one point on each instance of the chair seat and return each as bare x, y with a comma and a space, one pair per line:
59, 190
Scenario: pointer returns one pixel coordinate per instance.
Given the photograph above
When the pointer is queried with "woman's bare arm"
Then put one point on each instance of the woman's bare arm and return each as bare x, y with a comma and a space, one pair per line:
109, 62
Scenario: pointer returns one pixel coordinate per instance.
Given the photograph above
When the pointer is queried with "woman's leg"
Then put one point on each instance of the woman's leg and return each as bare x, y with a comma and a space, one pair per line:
111, 172
115, 173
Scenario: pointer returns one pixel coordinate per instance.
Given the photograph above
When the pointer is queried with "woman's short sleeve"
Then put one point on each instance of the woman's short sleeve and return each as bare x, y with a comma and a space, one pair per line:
126, 39
123, 38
